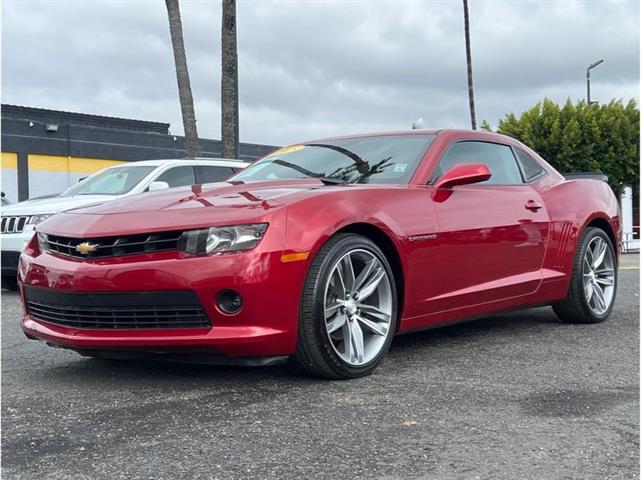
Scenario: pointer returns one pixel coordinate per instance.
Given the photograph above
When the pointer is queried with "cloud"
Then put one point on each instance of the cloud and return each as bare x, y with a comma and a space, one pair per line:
313, 69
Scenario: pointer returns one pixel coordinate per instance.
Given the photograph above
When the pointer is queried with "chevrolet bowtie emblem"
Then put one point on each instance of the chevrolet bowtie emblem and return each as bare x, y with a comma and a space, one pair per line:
86, 248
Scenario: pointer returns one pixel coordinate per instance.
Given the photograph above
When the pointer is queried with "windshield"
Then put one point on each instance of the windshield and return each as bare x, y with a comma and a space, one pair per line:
390, 159
113, 181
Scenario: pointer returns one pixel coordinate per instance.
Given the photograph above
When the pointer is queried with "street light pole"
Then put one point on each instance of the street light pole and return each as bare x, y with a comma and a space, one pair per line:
587, 77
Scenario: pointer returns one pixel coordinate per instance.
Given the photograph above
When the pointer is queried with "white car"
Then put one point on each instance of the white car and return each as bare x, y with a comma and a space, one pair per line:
19, 220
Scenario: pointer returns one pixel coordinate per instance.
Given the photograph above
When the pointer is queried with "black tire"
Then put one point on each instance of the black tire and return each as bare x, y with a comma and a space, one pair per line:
314, 352
575, 308
10, 282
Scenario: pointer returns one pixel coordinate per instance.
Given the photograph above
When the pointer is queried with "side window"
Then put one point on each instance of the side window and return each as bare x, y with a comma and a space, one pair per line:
529, 166
499, 159
214, 174
178, 176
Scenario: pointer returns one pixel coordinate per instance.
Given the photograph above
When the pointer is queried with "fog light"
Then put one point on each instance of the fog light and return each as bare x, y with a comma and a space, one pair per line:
229, 302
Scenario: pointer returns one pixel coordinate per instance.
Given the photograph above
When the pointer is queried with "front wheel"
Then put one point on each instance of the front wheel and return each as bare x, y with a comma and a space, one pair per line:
348, 310
593, 285
10, 282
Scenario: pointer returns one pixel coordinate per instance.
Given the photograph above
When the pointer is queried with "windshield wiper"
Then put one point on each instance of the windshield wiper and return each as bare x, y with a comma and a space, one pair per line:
361, 165
94, 193
333, 181
309, 173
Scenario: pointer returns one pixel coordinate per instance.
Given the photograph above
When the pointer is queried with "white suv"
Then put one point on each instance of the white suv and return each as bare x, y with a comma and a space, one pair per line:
19, 220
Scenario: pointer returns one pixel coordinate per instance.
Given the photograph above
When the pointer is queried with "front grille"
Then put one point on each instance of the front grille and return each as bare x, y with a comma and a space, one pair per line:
117, 311
13, 224
114, 246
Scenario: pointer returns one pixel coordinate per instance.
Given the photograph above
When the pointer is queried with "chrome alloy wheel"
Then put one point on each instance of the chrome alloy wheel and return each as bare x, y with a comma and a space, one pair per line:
598, 275
358, 307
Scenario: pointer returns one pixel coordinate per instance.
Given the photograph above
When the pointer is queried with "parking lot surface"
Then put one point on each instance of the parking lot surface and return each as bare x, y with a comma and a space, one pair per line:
515, 395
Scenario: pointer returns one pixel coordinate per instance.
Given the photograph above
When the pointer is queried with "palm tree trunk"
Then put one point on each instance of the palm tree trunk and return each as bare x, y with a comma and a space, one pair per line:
192, 147
229, 82
468, 51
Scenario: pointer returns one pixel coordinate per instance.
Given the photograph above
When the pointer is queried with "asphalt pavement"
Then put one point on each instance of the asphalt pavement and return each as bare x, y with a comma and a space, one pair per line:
515, 395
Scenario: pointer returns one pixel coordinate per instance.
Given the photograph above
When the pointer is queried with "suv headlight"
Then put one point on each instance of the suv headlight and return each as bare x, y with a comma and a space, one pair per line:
222, 239
36, 219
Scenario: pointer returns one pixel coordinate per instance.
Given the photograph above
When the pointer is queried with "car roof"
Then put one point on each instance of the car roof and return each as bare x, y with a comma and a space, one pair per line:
378, 134
431, 131
217, 162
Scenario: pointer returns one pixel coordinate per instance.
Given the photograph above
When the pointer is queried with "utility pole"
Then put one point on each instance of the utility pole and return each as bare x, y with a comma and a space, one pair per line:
468, 51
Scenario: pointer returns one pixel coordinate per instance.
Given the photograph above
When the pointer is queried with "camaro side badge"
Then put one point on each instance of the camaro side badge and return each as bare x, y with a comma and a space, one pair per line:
416, 238
86, 248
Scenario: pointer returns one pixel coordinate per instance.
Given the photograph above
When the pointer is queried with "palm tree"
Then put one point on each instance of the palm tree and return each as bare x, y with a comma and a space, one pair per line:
229, 82
192, 147
468, 51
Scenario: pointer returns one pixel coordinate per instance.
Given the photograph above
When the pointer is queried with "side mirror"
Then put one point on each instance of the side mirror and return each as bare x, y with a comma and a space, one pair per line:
155, 186
463, 174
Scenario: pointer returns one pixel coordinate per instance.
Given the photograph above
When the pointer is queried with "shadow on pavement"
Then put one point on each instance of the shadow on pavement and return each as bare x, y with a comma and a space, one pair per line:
79, 369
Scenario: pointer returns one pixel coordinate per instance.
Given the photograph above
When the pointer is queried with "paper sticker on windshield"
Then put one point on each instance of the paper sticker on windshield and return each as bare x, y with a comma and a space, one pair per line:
284, 150
400, 167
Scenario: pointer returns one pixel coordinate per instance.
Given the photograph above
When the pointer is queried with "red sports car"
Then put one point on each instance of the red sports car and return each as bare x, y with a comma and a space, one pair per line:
321, 252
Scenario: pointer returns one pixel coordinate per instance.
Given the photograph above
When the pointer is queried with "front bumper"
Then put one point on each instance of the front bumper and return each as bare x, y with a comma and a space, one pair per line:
265, 327
12, 246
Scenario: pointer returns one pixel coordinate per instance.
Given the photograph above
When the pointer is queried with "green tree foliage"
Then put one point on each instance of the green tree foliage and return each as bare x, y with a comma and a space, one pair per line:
581, 138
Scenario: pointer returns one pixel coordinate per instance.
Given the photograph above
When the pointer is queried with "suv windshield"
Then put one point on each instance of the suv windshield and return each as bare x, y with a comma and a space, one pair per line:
389, 159
113, 181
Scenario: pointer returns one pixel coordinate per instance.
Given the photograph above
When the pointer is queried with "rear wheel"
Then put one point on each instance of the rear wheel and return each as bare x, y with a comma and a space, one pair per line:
594, 281
348, 310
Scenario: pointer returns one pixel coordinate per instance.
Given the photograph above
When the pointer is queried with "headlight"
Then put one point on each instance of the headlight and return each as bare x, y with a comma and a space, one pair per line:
222, 239
36, 219
43, 241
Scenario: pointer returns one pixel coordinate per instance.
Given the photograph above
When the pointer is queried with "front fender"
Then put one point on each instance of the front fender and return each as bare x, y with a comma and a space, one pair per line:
312, 222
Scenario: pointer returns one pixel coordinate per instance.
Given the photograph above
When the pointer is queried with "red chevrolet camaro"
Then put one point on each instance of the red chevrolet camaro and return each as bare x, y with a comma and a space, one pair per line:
322, 252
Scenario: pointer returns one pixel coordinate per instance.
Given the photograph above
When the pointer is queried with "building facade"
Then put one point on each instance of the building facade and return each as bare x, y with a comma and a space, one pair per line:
46, 151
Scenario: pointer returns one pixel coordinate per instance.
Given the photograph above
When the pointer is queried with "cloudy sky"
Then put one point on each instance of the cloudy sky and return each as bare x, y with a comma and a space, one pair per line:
310, 70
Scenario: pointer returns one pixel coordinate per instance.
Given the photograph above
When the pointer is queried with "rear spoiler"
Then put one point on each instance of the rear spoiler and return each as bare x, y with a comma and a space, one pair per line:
586, 176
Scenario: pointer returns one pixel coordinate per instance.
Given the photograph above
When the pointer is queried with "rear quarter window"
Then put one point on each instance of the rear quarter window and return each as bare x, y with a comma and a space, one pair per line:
530, 167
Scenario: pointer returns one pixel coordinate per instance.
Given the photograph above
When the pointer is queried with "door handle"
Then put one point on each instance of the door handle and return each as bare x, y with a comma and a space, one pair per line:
532, 205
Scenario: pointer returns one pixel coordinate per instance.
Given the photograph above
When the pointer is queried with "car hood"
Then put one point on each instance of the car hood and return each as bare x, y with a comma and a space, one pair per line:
41, 206
183, 208
262, 195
